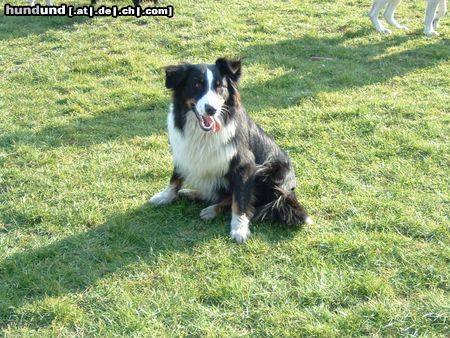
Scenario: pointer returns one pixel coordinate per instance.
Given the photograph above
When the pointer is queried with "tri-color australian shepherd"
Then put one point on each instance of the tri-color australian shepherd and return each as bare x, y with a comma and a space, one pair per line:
218, 150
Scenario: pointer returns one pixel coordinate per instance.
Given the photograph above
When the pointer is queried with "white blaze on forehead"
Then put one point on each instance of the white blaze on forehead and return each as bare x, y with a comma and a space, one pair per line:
211, 98
209, 78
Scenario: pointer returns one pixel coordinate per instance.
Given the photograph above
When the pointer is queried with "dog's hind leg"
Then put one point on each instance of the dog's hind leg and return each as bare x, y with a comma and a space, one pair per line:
389, 14
430, 15
212, 211
191, 194
169, 194
440, 12
373, 15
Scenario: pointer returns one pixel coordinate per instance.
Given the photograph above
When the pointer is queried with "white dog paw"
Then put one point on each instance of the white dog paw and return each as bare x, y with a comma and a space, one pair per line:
240, 231
166, 196
309, 221
385, 31
208, 213
240, 235
431, 33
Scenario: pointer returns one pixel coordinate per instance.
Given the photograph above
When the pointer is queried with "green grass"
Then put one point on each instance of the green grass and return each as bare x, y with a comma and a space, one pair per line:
83, 145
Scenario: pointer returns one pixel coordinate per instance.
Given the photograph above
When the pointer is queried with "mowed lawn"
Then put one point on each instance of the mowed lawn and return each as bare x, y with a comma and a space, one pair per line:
83, 145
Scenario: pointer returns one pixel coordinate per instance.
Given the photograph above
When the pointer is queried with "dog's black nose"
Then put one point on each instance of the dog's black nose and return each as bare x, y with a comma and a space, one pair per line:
210, 109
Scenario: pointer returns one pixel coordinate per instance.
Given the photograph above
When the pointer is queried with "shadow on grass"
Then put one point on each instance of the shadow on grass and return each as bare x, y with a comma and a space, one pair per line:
313, 65
12, 27
346, 66
76, 262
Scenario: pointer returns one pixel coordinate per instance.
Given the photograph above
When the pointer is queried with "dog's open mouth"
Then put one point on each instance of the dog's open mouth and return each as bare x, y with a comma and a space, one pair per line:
207, 123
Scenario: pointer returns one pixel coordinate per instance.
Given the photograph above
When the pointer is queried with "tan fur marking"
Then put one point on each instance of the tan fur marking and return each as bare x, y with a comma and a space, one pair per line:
223, 205
176, 184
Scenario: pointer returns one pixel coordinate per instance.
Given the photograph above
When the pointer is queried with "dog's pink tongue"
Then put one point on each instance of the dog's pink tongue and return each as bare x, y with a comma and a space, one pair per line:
212, 121
216, 126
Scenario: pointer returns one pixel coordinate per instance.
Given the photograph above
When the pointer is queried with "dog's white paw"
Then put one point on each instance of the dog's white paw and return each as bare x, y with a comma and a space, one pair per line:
166, 196
385, 30
240, 235
240, 231
309, 220
208, 213
431, 33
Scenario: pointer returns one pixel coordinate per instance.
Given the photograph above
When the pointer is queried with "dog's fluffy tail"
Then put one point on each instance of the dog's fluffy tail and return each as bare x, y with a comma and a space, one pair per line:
279, 202
285, 208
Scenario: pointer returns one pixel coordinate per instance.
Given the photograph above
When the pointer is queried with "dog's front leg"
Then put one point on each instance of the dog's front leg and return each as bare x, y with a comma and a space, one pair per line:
243, 178
169, 194
389, 14
373, 15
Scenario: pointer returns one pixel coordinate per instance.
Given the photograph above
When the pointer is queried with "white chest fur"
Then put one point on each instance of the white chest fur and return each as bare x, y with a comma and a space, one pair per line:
202, 158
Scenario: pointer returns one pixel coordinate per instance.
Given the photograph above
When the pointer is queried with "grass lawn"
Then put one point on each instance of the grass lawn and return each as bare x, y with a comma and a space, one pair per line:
83, 145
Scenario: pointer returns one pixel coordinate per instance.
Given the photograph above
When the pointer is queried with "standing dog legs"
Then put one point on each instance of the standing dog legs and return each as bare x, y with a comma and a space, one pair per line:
373, 15
435, 10
389, 14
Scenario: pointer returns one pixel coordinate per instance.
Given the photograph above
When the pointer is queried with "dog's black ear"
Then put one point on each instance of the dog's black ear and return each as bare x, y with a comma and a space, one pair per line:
230, 68
175, 75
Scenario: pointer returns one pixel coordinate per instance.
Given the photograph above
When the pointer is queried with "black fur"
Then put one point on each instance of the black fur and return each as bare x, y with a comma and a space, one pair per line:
260, 176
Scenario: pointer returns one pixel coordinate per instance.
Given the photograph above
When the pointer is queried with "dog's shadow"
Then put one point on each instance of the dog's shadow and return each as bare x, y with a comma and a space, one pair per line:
312, 65
76, 262
13, 27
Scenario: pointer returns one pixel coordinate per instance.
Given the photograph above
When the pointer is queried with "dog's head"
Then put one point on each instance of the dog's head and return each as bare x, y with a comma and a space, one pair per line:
206, 90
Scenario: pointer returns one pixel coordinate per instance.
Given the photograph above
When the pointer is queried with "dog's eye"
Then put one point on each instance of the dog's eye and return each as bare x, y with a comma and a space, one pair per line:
220, 84
199, 84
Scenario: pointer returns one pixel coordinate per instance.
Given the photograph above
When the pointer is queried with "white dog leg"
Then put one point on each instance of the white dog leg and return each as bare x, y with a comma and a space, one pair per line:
429, 17
49, 2
373, 15
209, 213
31, 2
389, 14
239, 227
166, 196
441, 10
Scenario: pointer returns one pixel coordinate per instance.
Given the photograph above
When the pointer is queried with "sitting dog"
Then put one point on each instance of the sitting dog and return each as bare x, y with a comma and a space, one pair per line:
435, 10
220, 151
